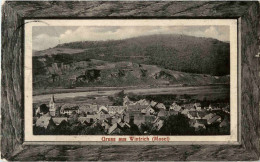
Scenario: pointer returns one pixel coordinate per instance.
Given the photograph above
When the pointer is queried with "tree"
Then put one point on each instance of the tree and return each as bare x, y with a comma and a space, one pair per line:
212, 129
225, 130
93, 130
83, 114
176, 125
63, 128
74, 117
205, 102
121, 94
119, 98
38, 67
148, 128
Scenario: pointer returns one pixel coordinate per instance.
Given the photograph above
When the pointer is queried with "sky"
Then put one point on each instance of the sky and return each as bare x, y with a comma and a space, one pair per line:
45, 37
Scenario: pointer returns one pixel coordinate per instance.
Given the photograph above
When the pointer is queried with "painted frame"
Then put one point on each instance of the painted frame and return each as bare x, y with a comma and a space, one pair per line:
13, 16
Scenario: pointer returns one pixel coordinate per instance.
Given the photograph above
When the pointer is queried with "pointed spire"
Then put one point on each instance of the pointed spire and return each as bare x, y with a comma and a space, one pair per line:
52, 99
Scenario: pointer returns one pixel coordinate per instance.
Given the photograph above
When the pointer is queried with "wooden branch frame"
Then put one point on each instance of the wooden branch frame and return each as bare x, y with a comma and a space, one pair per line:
13, 16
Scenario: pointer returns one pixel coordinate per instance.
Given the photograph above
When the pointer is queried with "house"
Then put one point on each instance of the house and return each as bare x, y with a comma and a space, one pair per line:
127, 118
213, 107
116, 109
57, 113
137, 118
226, 109
201, 114
150, 110
106, 125
143, 111
172, 112
153, 103
215, 119
149, 118
58, 120
192, 122
120, 115
83, 119
209, 116
38, 111
160, 106
185, 112
162, 113
143, 102
224, 123
155, 120
200, 123
189, 107
102, 114
122, 111
91, 118
175, 107
127, 101
102, 108
124, 125
45, 121
114, 119
83, 108
88, 108
192, 115
93, 107
115, 129
158, 124
197, 106
216, 108
209, 108
198, 109
137, 108
69, 109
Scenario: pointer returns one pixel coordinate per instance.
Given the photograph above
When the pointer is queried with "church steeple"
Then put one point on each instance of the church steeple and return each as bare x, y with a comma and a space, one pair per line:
52, 99
52, 106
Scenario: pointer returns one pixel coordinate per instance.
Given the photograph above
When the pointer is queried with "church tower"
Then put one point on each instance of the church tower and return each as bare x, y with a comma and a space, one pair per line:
52, 106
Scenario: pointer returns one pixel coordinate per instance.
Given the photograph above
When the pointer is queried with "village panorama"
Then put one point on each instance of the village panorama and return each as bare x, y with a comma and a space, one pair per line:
142, 117
153, 84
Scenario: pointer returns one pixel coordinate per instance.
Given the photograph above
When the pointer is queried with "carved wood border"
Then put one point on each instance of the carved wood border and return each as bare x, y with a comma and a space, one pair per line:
13, 14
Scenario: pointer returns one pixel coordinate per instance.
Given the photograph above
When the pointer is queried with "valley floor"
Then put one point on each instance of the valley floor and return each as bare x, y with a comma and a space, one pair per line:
211, 92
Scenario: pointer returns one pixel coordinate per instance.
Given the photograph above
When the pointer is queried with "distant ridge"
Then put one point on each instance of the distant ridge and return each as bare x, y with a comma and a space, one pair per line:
175, 52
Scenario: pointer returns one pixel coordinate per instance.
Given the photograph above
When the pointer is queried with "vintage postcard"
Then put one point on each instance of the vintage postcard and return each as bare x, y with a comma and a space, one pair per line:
131, 81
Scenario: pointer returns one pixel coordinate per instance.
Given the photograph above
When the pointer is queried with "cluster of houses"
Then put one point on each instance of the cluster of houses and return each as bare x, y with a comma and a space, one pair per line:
115, 119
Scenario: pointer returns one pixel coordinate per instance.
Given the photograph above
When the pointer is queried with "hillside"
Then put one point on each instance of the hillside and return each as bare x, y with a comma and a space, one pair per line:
174, 52
98, 73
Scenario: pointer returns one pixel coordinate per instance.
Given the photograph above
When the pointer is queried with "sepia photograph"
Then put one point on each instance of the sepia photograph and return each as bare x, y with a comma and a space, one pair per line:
146, 80
130, 81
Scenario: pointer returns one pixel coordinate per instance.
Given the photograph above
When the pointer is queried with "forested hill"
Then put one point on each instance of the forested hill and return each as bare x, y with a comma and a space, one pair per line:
174, 52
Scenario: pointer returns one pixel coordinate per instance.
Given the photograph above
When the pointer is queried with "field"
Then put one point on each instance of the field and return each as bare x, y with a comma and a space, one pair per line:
100, 95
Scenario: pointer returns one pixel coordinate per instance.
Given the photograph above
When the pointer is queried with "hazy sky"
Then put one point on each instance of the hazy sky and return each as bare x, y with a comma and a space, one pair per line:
45, 37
